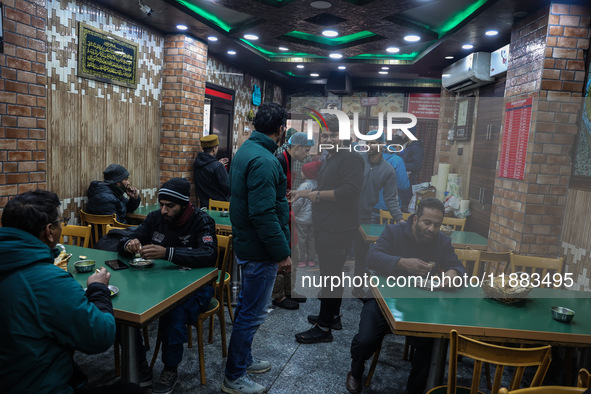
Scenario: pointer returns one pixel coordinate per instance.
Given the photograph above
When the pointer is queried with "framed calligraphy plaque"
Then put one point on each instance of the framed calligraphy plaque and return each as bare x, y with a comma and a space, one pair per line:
106, 58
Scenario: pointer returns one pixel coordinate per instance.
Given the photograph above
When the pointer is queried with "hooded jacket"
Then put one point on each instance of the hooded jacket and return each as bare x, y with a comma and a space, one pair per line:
44, 316
211, 179
102, 200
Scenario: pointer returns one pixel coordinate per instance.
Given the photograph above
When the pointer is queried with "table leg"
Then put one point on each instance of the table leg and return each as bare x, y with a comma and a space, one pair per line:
129, 362
437, 368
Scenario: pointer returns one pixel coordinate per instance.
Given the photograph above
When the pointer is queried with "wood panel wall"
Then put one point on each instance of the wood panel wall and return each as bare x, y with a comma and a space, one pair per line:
576, 237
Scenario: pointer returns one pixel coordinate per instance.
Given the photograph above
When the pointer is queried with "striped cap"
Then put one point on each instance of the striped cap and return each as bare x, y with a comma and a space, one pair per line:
175, 190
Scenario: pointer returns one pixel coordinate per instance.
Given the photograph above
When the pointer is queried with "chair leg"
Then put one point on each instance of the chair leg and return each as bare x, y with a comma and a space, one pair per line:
156, 349
229, 301
374, 363
222, 329
117, 358
189, 336
406, 350
146, 338
200, 346
210, 337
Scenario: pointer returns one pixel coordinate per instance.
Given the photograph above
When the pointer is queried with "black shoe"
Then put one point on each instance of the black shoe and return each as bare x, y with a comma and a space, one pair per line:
297, 297
335, 325
166, 383
314, 335
287, 303
145, 375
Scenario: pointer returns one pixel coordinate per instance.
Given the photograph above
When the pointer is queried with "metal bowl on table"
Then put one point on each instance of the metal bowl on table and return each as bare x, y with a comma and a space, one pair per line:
141, 263
84, 265
562, 314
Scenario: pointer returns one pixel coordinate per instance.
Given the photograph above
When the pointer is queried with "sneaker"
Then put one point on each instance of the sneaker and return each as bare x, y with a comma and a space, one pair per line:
145, 375
166, 383
301, 264
258, 366
314, 335
297, 297
287, 303
242, 385
311, 263
335, 325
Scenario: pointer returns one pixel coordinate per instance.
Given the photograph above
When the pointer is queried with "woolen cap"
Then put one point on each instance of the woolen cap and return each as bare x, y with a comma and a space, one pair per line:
300, 139
210, 141
176, 190
310, 169
381, 138
115, 173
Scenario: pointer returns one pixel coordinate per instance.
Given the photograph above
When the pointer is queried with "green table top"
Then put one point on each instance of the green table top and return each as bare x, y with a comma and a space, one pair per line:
142, 212
143, 294
420, 312
459, 239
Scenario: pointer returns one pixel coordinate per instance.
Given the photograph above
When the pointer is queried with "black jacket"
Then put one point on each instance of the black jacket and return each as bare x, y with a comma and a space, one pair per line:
211, 179
102, 200
192, 244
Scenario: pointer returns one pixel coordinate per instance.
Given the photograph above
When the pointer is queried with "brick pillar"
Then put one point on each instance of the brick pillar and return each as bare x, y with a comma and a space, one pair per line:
546, 62
23, 140
183, 94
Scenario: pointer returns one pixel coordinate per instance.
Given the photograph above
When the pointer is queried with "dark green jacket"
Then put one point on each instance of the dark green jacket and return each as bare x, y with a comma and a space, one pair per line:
258, 207
44, 316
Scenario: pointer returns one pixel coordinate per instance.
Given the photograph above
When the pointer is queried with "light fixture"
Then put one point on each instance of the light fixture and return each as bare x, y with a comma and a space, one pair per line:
383, 72
342, 68
300, 66
491, 33
181, 27
314, 75
412, 38
393, 50
385, 68
467, 46
283, 49
320, 5
330, 33
335, 56
230, 52
251, 37
212, 38
445, 75
145, 9
449, 57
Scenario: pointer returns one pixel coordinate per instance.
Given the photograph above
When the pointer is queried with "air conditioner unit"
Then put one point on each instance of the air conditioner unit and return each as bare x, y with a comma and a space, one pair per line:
467, 73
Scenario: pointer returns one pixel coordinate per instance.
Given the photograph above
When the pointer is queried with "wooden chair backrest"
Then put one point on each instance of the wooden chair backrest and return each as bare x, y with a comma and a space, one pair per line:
98, 223
77, 235
494, 262
216, 205
122, 225
584, 378
455, 223
386, 217
470, 259
501, 356
540, 265
545, 390
225, 256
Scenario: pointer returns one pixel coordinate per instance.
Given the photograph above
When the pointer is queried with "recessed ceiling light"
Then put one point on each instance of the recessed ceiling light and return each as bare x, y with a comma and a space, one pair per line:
231, 52
330, 33
449, 57
412, 38
314, 75
181, 27
212, 38
342, 68
491, 33
320, 5
393, 50
251, 37
300, 66
335, 56
467, 46
383, 72
283, 49
445, 75
385, 68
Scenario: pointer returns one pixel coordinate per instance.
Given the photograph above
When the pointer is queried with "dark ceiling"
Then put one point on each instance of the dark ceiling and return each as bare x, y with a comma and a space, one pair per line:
366, 29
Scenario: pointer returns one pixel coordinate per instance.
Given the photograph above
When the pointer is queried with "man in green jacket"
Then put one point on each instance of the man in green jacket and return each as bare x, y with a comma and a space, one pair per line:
45, 314
260, 226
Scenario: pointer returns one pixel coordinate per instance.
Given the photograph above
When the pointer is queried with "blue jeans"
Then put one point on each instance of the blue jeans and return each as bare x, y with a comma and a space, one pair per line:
258, 278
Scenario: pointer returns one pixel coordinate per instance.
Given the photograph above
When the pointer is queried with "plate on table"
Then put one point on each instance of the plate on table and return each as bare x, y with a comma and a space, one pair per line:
141, 263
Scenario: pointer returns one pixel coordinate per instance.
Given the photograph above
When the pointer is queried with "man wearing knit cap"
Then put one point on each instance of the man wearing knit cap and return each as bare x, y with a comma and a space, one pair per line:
184, 235
108, 197
210, 175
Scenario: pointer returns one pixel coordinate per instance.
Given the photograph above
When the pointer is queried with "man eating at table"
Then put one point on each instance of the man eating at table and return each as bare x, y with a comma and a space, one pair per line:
408, 248
184, 235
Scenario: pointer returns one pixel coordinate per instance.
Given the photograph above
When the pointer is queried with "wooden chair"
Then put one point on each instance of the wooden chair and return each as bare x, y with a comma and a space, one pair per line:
584, 378
494, 262
216, 205
76, 235
545, 390
501, 356
122, 225
539, 265
98, 223
386, 217
470, 259
455, 223
224, 266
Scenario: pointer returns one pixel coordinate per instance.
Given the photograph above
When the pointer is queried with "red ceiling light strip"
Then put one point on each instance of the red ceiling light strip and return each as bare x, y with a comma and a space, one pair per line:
215, 93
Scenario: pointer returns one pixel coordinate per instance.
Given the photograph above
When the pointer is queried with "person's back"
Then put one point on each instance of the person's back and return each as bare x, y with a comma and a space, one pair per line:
108, 196
210, 176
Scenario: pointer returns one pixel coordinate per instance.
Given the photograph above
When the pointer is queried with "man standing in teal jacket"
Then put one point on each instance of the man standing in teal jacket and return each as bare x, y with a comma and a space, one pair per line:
260, 226
45, 314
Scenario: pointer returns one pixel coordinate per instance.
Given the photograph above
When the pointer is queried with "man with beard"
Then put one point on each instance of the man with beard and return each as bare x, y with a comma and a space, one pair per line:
107, 197
184, 235
408, 248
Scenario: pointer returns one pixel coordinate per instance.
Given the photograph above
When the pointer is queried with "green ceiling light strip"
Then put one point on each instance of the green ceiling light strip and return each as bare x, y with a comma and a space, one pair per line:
330, 41
206, 15
279, 54
460, 17
401, 56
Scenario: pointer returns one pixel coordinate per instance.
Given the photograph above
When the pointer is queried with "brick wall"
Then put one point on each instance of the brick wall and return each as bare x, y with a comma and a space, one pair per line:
546, 62
22, 98
183, 93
